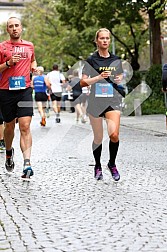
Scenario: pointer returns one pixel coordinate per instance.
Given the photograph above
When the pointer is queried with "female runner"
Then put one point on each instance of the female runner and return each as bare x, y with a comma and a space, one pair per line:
103, 72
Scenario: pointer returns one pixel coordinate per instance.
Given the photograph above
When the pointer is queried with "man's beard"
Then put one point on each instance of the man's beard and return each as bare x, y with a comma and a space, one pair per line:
16, 36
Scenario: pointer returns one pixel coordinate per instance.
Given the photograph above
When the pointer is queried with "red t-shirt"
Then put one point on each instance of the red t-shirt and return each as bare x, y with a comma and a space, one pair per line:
22, 68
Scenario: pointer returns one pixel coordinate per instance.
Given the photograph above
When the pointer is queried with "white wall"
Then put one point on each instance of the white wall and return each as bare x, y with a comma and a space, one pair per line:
5, 13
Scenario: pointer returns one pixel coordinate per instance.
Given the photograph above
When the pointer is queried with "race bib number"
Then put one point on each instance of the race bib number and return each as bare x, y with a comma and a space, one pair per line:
104, 90
17, 83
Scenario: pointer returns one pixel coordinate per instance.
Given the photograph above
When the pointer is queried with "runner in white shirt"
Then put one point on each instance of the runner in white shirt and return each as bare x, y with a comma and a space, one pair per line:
56, 80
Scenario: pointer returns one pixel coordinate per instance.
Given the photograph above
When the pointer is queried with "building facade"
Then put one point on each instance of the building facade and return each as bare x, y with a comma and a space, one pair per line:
10, 8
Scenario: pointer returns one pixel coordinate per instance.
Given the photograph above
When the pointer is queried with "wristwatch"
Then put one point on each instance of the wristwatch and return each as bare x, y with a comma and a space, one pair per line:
7, 64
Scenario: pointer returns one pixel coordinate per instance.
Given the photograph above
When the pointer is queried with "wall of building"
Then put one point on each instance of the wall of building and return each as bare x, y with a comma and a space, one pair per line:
5, 13
8, 9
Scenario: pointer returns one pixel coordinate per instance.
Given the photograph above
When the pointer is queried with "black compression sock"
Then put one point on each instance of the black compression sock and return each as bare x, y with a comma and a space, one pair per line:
113, 149
97, 153
9, 153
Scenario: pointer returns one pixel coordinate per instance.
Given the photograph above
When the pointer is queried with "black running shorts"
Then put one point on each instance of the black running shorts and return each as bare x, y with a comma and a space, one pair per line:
41, 96
56, 96
97, 107
16, 103
1, 118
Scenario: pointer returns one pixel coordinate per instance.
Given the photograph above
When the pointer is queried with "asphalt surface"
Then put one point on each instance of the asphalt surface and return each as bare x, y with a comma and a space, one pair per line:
64, 209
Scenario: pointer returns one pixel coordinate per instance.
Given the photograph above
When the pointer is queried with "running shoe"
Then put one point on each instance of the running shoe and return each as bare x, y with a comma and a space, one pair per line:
27, 172
98, 173
57, 120
83, 120
2, 146
9, 164
43, 122
114, 172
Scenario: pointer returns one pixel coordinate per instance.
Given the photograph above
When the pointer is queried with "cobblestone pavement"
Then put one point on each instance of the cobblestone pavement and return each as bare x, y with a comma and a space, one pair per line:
63, 209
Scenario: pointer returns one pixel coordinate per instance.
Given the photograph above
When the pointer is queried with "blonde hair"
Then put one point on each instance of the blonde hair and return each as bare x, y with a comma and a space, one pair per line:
40, 68
101, 30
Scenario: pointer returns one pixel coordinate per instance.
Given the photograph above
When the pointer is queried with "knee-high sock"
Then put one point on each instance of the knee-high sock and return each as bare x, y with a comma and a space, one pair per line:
113, 149
97, 148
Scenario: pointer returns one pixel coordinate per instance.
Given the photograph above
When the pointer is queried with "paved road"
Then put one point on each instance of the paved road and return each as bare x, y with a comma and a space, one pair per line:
63, 209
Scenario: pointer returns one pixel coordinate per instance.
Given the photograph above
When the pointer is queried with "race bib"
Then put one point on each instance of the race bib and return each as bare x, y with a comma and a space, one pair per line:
104, 90
17, 83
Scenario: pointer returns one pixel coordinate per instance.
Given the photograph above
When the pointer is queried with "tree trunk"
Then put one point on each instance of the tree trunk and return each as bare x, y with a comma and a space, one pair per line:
155, 39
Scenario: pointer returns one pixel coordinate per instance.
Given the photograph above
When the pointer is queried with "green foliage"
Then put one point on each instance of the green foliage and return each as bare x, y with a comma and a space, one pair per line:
122, 18
63, 30
155, 103
135, 80
3, 32
153, 106
159, 7
54, 41
72, 13
153, 79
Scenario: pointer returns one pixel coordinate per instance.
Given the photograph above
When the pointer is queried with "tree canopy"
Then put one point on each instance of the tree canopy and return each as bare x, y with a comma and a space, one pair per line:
63, 30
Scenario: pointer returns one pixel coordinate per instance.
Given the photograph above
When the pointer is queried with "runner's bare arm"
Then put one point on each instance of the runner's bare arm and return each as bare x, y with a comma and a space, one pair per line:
47, 82
118, 78
32, 82
33, 66
9, 63
85, 81
3, 67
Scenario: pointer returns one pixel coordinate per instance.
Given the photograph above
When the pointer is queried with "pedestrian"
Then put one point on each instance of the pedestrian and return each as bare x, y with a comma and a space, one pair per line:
17, 59
102, 72
40, 89
75, 87
55, 79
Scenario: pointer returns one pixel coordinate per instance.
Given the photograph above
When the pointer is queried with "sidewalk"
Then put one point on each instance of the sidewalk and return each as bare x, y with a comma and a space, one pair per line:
156, 124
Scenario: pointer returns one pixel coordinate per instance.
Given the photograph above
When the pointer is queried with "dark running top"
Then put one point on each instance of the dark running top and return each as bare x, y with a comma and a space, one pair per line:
95, 65
75, 84
104, 94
